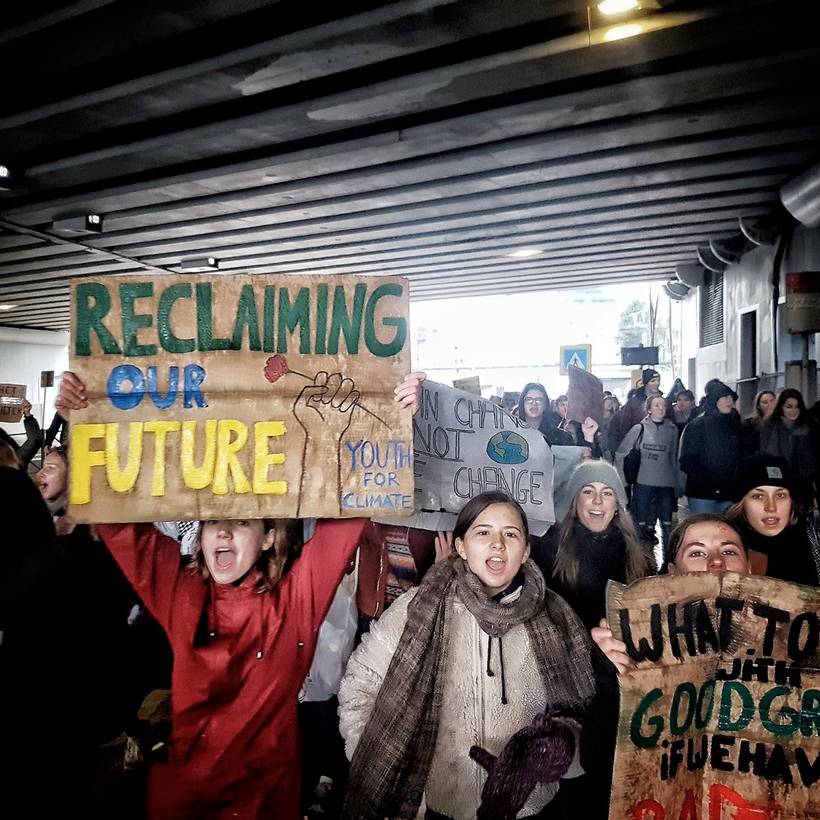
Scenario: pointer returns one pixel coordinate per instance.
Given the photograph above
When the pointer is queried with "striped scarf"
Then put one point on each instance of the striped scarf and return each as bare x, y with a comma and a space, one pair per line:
392, 760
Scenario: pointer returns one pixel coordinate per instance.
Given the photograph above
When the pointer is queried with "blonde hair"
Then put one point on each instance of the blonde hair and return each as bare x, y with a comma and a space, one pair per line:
273, 562
567, 560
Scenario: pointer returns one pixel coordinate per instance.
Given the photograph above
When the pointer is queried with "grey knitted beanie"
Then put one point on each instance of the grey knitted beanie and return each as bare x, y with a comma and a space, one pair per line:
588, 472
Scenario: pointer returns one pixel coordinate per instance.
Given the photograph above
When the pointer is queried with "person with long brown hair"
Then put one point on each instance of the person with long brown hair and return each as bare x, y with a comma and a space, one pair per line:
595, 543
782, 540
792, 434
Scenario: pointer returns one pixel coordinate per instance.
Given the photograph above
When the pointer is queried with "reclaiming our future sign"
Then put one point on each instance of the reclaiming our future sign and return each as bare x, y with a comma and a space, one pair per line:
239, 396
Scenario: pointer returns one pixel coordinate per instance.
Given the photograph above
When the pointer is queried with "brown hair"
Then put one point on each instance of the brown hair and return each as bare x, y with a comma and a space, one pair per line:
647, 406
679, 533
8, 458
737, 512
272, 563
567, 560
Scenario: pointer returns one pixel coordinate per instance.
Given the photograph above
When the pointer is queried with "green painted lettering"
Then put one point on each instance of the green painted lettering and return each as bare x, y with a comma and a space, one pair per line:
374, 345
267, 317
747, 711
167, 339
246, 316
291, 315
132, 322
342, 322
204, 320
90, 317
792, 716
321, 318
640, 740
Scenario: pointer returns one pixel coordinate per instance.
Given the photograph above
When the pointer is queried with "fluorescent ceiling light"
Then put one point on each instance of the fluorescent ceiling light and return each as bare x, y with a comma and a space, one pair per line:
7, 307
617, 6
524, 253
202, 265
622, 32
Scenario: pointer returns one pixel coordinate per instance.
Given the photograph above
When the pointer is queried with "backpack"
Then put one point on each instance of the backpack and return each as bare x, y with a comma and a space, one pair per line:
632, 460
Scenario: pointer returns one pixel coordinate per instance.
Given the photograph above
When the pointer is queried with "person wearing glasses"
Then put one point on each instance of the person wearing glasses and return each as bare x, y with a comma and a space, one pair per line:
534, 408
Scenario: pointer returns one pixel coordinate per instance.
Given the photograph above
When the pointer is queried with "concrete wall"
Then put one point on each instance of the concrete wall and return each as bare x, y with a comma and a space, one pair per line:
23, 355
747, 286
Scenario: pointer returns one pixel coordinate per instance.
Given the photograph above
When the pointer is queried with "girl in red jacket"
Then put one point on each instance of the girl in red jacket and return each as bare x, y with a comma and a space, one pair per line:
242, 645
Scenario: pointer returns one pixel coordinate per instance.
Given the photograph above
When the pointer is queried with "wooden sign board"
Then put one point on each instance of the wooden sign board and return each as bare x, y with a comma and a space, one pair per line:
11, 402
720, 717
240, 397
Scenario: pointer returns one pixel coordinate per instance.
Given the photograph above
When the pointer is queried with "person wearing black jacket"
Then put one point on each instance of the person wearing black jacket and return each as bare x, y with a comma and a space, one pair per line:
781, 540
34, 437
534, 408
710, 450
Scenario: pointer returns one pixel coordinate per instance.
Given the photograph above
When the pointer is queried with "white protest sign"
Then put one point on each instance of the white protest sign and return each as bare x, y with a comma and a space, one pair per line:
464, 446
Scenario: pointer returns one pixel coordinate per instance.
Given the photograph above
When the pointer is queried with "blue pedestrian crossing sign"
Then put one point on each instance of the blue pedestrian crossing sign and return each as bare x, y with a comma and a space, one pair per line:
575, 355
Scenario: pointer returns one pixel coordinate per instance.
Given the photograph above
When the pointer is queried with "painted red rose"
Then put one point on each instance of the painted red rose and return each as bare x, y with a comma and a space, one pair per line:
276, 367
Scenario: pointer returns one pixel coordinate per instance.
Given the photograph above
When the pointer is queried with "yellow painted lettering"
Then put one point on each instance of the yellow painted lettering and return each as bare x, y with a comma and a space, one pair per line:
231, 437
197, 477
263, 459
121, 481
160, 429
82, 459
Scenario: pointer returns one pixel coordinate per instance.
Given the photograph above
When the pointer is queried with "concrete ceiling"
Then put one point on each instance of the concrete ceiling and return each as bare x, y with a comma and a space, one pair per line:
424, 138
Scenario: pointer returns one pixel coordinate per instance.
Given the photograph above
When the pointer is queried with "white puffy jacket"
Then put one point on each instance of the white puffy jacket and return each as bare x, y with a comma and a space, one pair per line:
471, 713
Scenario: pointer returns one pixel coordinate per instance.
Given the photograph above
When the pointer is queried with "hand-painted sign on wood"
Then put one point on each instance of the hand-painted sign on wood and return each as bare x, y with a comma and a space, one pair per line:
11, 402
464, 446
240, 396
720, 717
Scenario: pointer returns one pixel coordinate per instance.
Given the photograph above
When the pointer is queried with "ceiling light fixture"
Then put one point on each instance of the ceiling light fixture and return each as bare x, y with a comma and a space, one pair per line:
5, 178
524, 253
617, 6
203, 265
622, 32
85, 224
7, 307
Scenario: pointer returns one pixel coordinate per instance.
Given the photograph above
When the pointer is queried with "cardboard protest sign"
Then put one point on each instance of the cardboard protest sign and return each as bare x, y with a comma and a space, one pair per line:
585, 395
721, 716
469, 384
239, 396
465, 446
11, 402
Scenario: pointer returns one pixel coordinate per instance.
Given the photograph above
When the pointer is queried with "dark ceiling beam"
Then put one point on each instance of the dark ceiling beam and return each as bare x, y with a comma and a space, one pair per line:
464, 211
51, 18
583, 159
410, 148
406, 100
317, 51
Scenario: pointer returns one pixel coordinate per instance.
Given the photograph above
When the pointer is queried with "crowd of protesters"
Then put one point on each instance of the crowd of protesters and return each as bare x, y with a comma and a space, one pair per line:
397, 672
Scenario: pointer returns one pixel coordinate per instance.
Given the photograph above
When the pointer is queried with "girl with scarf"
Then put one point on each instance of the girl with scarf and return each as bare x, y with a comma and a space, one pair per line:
781, 541
790, 433
481, 650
